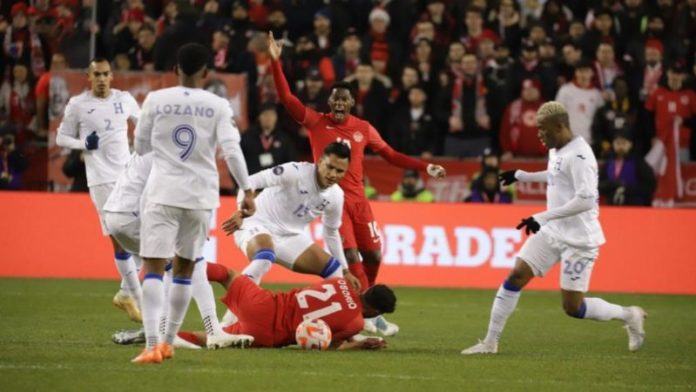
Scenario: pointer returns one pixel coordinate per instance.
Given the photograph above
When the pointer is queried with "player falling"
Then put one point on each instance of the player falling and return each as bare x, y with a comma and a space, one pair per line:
359, 229
96, 122
182, 126
568, 231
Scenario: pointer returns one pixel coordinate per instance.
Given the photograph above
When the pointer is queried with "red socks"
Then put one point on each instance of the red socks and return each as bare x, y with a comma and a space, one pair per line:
217, 273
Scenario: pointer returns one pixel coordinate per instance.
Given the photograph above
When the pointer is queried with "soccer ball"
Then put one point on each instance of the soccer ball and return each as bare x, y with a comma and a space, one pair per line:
313, 334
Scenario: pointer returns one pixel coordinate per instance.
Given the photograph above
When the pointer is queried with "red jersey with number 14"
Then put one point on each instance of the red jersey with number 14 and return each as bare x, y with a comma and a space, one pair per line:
332, 300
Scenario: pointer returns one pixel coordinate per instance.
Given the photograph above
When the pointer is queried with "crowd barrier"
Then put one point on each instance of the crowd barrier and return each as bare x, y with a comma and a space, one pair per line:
434, 245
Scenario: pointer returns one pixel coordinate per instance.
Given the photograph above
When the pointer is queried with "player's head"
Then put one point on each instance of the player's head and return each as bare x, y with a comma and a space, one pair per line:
341, 101
333, 164
192, 61
100, 76
378, 299
554, 125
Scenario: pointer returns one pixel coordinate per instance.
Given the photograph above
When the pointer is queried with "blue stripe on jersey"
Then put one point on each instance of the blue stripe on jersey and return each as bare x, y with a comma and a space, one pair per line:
153, 275
265, 254
330, 267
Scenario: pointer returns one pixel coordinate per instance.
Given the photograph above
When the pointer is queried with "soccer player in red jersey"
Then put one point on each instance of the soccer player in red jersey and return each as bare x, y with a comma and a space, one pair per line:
272, 318
359, 228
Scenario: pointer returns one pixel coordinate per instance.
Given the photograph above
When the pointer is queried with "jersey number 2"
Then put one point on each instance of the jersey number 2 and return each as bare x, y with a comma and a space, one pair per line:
322, 296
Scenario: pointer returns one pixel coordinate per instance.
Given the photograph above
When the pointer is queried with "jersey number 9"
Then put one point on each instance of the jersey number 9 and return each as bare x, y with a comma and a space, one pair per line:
184, 137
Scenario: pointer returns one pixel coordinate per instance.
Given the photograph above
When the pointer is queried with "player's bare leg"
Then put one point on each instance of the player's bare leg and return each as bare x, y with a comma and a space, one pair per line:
129, 297
314, 260
504, 304
576, 305
153, 302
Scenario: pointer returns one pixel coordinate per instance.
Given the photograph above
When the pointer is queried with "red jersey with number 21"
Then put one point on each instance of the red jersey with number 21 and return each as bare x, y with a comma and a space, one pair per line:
332, 300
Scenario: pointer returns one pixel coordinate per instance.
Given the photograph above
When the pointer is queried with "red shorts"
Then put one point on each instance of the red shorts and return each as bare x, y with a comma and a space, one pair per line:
358, 227
255, 308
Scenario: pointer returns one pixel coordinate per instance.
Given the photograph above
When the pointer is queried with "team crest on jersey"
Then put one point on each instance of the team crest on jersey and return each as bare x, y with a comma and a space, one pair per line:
358, 137
684, 99
278, 170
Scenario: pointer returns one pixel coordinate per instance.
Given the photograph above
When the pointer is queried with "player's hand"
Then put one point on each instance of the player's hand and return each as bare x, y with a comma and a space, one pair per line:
350, 278
530, 225
508, 177
373, 343
436, 171
248, 206
233, 224
275, 48
92, 141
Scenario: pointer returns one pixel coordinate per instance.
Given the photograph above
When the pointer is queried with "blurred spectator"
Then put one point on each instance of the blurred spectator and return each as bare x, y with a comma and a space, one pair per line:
572, 55
23, 46
167, 18
443, 22
625, 179
632, 20
347, 58
181, 31
126, 32
603, 30
42, 91
377, 43
12, 164
277, 23
412, 188
556, 17
265, 145
536, 33
674, 109
313, 96
121, 63
423, 58
617, 116
581, 99
322, 35
371, 98
527, 67
73, 39
489, 191
685, 29
606, 69
399, 94
221, 50
308, 55
412, 130
646, 79
518, 131
506, 24
74, 167
211, 20
142, 55
370, 191
474, 30
239, 27
495, 76
18, 104
462, 106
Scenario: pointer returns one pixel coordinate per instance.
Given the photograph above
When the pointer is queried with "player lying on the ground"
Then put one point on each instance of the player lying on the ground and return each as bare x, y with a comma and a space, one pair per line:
568, 231
293, 195
272, 318
122, 218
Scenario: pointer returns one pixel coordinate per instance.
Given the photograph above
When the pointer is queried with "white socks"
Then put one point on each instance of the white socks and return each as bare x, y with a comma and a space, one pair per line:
179, 299
601, 310
165, 305
153, 300
260, 265
505, 302
205, 298
130, 279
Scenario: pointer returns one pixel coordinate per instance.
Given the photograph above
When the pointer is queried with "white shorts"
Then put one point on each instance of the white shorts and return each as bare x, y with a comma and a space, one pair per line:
541, 252
99, 194
288, 248
167, 231
125, 228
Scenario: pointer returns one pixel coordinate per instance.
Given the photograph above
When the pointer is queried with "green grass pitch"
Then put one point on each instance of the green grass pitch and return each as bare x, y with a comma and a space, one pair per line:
56, 337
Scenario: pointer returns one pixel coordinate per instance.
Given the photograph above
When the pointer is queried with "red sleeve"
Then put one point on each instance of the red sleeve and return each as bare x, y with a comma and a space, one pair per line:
505, 142
353, 328
297, 110
378, 145
42, 86
326, 70
650, 102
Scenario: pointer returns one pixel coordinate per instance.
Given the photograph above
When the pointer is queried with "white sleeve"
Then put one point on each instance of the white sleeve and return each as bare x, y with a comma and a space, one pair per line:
281, 175
586, 193
331, 220
134, 112
228, 137
69, 129
143, 130
561, 96
525, 176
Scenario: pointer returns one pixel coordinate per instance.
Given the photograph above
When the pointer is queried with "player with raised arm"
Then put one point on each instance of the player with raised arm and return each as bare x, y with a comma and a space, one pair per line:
359, 229
96, 121
182, 126
272, 318
568, 231
294, 194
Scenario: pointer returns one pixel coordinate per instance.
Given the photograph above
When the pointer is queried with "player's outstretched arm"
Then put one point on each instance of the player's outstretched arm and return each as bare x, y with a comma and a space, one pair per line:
293, 105
378, 145
369, 343
511, 176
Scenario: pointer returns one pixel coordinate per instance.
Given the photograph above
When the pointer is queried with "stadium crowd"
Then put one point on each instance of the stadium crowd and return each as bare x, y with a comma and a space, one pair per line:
452, 78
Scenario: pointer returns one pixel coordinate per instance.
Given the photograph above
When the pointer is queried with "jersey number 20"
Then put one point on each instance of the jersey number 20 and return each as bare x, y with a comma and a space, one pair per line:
322, 296
184, 137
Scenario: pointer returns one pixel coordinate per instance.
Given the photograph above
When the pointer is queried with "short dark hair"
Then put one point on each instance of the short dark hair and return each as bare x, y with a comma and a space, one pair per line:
381, 298
192, 57
338, 149
342, 85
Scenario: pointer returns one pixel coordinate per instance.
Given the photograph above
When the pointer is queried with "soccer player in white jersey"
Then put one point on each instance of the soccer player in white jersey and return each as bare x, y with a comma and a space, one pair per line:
97, 121
182, 126
293, 195
122, 218
568, 231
